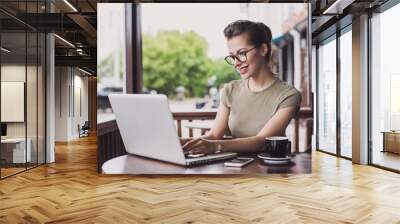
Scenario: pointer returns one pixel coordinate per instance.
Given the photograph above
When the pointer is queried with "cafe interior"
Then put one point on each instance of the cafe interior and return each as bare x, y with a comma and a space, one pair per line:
61, 59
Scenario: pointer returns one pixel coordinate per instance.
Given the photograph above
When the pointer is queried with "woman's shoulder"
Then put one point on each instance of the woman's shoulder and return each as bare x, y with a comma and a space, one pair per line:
289, 96
228, 91
234, 84
286, 88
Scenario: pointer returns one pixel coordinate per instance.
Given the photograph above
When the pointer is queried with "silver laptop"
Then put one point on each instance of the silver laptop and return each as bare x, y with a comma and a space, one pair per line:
147, 129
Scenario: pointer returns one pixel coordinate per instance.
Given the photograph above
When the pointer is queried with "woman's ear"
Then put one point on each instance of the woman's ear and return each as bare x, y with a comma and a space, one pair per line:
264, 49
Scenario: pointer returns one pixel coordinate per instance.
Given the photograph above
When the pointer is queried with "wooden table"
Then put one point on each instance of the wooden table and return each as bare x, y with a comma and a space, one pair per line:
132, 164
13, 150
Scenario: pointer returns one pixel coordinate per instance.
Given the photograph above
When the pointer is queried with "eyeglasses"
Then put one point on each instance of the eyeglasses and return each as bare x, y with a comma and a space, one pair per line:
241, 56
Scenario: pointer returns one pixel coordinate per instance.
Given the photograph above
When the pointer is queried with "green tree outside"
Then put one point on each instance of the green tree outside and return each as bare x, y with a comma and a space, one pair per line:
223, 72
172, 59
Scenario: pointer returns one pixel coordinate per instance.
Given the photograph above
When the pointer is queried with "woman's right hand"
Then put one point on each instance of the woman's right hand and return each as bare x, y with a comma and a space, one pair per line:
184, 140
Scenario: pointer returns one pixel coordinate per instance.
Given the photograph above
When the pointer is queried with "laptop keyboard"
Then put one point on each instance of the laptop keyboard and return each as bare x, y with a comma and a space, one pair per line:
210, 158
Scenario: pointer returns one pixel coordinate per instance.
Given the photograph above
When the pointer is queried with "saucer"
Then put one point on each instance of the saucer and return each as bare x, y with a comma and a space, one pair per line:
265, 157
277, 162
274, 160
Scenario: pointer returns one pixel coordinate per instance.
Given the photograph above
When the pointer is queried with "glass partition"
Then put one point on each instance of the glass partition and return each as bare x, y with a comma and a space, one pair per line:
385, 89
22, 87
346, 94
326, 135
14, 154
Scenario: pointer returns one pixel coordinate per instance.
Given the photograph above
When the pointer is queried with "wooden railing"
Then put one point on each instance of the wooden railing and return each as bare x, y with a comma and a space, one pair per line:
304, 115
110, 144
192, 116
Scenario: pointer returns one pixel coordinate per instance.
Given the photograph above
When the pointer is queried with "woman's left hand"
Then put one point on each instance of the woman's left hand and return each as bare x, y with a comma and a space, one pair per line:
200, 146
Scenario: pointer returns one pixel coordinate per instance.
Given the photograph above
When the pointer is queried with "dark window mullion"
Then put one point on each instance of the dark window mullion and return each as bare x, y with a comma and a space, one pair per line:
44, 78
0, 93
37, 90
316, 96
369, 78
338, 73
26, 87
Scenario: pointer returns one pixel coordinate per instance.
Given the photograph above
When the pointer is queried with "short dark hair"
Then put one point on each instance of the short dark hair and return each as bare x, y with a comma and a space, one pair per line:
258, 33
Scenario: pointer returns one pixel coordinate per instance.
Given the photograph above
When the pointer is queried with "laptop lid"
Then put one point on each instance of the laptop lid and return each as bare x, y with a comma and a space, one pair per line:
147, 127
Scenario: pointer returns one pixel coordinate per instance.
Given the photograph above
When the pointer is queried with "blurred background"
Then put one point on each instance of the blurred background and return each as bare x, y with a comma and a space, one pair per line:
183, 51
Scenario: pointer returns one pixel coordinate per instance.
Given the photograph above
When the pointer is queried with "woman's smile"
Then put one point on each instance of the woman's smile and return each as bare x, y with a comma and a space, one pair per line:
243, 69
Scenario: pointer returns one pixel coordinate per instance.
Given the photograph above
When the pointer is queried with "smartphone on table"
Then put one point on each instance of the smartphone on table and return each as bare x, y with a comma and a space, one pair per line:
238, 162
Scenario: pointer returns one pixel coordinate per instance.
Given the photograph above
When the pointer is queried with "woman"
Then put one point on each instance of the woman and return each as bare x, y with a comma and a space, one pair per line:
258, 105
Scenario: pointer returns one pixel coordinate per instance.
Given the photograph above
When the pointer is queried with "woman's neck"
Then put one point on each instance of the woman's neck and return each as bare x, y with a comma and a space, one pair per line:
262, 79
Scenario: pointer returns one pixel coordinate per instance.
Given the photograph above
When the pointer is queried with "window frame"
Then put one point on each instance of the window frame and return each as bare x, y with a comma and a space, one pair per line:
334, 37
379, 10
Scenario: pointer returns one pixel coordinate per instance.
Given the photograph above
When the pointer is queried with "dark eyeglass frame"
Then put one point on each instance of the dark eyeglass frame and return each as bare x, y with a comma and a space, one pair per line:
233, 57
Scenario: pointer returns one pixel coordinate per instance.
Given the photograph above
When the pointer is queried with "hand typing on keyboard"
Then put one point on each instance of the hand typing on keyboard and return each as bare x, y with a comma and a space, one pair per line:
200, 146
189, 155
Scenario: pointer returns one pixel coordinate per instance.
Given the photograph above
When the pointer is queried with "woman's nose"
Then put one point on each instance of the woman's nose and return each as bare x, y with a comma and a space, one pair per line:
237, 62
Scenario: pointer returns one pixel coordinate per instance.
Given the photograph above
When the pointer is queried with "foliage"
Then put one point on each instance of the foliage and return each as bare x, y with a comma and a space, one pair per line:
172, 59
223, 72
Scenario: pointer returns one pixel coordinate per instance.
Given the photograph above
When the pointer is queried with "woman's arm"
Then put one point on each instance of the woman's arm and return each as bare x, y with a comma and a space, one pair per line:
219, 126
275, 126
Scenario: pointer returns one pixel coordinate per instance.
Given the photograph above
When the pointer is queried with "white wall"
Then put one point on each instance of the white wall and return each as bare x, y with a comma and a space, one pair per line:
80, 109
71, 102
33, 126
14, 73
62, 81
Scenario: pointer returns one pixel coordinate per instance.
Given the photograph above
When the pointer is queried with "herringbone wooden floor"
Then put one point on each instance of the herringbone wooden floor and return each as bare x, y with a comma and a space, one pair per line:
70, 191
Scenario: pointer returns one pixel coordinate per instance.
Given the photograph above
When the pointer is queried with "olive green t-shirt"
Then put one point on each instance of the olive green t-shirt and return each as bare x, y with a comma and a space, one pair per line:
250, 110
